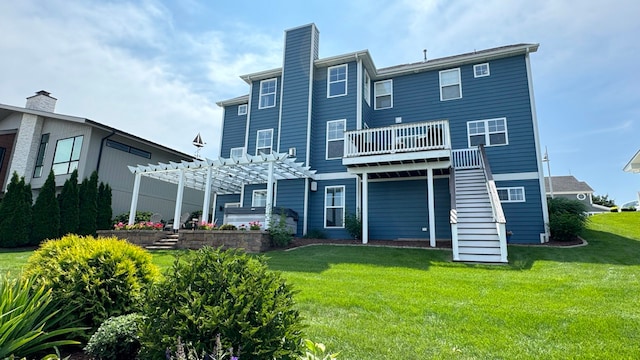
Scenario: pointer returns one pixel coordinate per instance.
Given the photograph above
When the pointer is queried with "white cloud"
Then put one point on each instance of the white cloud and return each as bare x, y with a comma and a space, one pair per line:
127, 66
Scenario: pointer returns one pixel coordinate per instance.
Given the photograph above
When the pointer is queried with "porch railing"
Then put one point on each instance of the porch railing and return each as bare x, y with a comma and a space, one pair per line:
428, 135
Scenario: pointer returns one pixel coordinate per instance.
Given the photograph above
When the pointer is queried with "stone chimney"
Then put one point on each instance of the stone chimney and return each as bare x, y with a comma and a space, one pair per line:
41, 101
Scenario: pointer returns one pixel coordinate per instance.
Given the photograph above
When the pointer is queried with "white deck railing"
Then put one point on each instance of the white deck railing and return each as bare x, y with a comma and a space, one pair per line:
429, 135
466, 159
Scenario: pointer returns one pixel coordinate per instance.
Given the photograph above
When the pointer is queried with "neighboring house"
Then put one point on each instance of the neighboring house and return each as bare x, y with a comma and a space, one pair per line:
634, 167
34, 140
570, 188
397, 145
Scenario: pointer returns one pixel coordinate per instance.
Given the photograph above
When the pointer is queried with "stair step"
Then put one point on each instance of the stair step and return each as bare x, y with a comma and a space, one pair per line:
478, 237
480, 258
159, 247
477, 232
478, 219
478, 244
167, 241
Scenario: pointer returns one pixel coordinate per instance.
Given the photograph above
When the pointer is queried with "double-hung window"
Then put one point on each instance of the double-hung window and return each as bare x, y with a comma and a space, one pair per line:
383, 94
242, 109
481, 70
337, 81
334, 207
511, 194
335, 139
268, 93
489, 132
67, 155
450, 84
264, 141
366, 87
42, 149
259, 198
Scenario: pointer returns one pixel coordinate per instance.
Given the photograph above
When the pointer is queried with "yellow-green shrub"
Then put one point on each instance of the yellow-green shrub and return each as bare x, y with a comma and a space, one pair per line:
94, 278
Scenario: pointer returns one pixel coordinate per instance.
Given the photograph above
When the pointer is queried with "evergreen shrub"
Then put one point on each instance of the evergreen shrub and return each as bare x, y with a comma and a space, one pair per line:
69, 201
103, 218
567, 218
46, 212
88, 205
16, 214
210, 292
117, 338
94, 278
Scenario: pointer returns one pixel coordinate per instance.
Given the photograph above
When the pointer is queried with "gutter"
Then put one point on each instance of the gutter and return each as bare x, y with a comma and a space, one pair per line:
104, 139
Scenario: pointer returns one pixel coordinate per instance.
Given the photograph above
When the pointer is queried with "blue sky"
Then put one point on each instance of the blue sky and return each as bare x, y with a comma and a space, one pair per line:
156, 68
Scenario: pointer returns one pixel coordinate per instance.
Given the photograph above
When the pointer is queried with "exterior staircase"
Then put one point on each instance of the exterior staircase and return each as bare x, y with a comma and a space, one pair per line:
170, 242
478, 225
478, 239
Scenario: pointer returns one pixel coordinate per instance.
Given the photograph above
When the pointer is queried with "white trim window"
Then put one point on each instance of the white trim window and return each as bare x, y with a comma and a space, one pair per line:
67, 155
511, 194
259, 198
242, 109
450, 84
481, 70
335, 139
337, 81
383, 94
334, 207
490, 132
264, 141
268, 93
366, 87
236, 152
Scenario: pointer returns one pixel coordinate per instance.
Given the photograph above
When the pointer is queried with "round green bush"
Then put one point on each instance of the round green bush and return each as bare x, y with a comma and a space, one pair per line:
117, 338
228, 227
210, 292
567, 218
95, 279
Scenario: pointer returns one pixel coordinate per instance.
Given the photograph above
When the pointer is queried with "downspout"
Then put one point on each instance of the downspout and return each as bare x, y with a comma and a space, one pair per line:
113, 132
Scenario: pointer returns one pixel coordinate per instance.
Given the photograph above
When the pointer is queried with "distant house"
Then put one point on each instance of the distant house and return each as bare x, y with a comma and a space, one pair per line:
34, 140
634, 167
571, 188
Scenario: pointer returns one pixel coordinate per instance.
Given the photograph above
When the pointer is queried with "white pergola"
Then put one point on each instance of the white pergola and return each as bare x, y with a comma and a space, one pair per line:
221, 176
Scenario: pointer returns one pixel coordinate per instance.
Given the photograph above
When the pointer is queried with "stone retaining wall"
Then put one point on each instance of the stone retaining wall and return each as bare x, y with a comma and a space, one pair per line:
138, 237
252, 241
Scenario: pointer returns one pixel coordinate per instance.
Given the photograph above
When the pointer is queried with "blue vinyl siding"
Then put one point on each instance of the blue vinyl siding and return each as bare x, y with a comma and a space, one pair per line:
291, 195
295, 91
219, 210
327, 109
262, 119
399, 209
505, 93
233, 130
525, 219
316, 206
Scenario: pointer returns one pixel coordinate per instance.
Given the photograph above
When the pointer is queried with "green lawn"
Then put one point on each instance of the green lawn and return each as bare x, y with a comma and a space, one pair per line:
548, 303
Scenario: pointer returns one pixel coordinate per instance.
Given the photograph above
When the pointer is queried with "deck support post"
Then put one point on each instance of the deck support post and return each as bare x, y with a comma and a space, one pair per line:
432, 215
134, 198
365, 208
180, 192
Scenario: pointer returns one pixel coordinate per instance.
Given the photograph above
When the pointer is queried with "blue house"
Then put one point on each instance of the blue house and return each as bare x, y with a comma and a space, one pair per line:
439, 150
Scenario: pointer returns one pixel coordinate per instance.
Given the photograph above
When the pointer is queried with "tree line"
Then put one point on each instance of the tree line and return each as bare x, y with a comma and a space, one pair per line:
78, 209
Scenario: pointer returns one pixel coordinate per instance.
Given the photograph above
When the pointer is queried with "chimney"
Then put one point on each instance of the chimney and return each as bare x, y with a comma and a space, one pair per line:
41, 101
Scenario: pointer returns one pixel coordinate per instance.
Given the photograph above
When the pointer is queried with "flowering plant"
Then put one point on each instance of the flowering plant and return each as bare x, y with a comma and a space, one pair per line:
255, 225
143, 225
207, 226
242, 227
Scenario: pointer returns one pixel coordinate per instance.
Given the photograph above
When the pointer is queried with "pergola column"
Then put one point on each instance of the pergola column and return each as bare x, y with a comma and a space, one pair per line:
268, 206
365, 208
134, 198
176, 214
206, 204
432, 206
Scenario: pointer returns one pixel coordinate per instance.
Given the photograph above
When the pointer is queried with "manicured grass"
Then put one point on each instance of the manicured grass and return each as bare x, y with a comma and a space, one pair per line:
551, 303
385, 303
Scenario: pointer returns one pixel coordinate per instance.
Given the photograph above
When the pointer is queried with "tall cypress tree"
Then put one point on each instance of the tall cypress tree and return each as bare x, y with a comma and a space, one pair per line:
69, 200
46, 212
88, 205
103, 220
15, 214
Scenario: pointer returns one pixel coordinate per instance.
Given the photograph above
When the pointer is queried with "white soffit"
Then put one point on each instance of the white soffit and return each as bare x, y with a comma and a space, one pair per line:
228, 175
